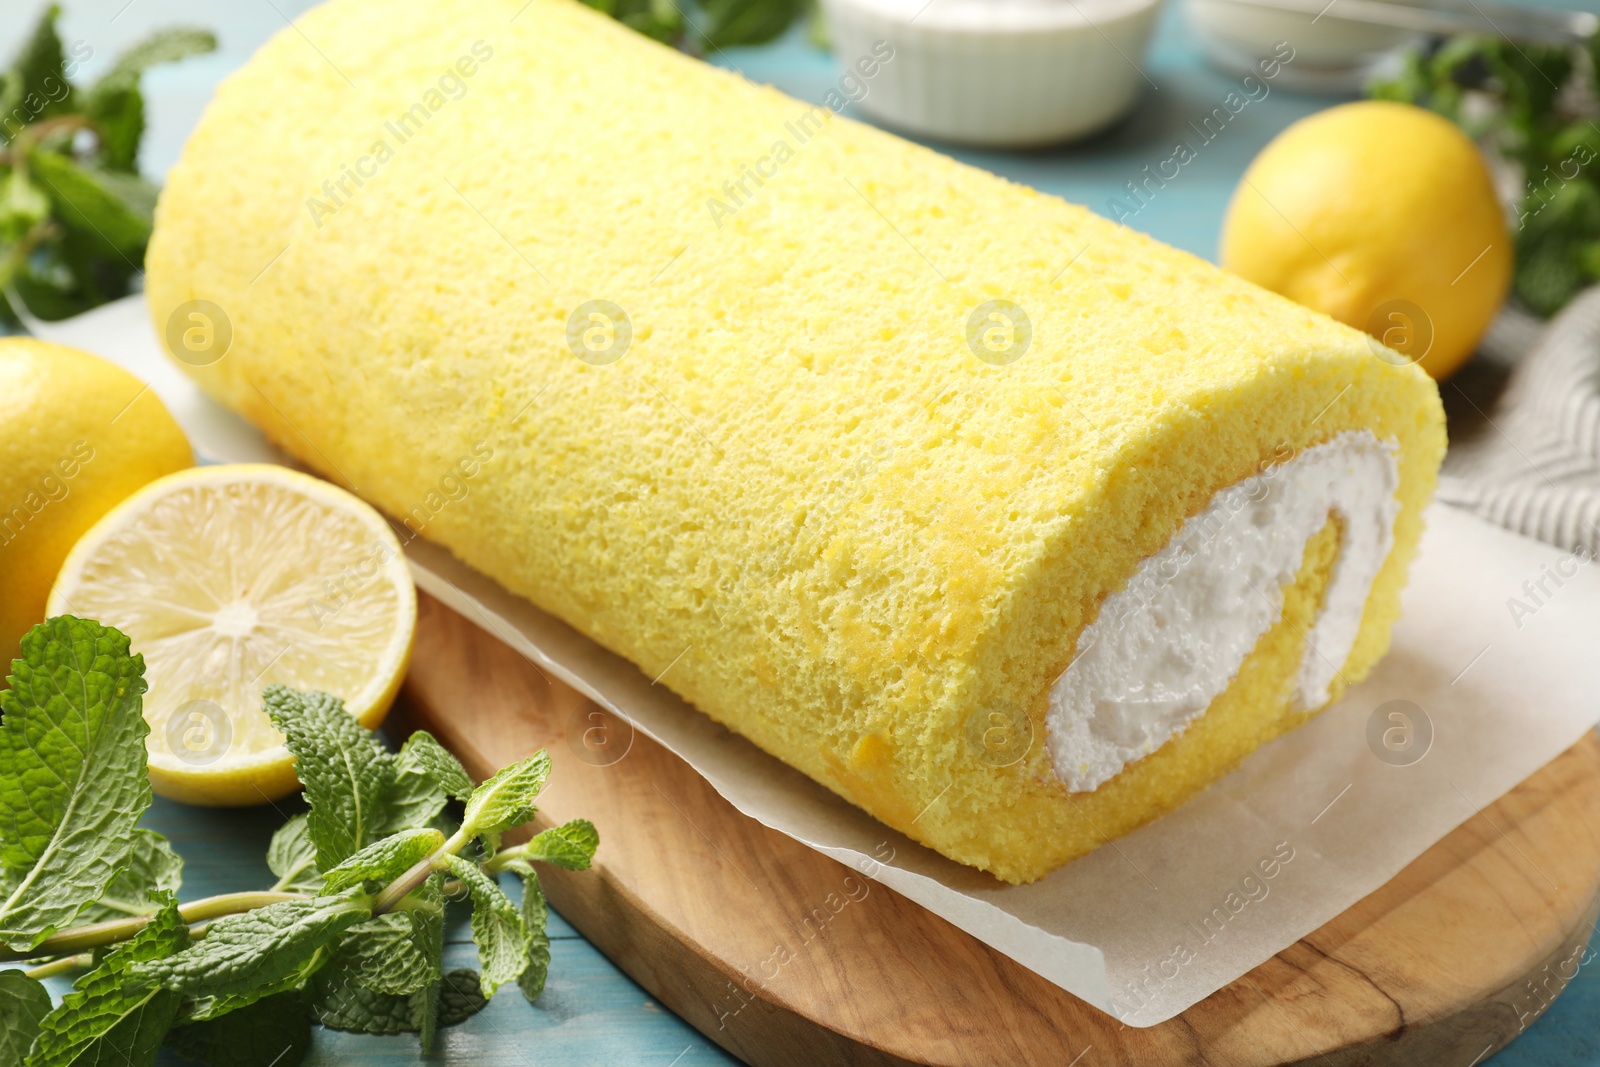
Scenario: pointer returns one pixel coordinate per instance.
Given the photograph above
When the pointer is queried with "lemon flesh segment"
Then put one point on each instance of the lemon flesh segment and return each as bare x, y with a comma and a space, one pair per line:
229, 579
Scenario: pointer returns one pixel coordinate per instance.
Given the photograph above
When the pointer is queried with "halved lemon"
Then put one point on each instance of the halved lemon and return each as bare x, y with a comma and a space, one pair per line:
229, 579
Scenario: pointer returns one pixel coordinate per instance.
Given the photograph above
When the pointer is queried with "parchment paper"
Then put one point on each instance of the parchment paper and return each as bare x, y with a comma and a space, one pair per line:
1493, 673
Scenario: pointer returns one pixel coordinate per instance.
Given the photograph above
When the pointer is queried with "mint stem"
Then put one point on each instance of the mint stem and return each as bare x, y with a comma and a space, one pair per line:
396, 890
497, 863
66, 963
420, 871
69, 942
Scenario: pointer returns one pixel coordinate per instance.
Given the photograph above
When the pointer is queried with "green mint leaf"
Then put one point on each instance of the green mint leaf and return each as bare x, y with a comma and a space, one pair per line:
383, 861
153, 871
425, 1009
36, 87
72, 773
413, 800
111, 211
249, 952
460, 997
423, 751
497, 927
426, 776
536, 914
570, 846
341, 1005
383, 955
426, 907
206, 1008
116, 1014
342, 764
742, 22
24, 1002
117, 110
349, 1007
142, 1015
163, 46
274, 1031
292, 856
115, 102
506, 800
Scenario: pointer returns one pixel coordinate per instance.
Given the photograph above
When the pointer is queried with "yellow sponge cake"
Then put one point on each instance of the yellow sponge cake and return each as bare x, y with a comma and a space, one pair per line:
1014, 527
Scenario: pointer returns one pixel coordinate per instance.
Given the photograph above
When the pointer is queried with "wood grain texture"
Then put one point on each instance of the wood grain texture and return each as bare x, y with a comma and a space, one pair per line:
786, 957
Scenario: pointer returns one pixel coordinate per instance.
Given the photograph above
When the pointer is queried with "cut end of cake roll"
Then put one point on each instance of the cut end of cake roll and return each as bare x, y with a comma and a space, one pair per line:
1010, 525
1250, 551
1251, 548
1164, 647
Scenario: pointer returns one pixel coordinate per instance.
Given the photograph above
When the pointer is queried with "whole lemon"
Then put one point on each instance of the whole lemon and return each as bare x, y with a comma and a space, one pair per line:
77, 436
1383, 216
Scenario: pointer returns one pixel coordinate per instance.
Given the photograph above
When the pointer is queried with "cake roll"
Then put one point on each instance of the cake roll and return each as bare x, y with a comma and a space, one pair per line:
1011, 526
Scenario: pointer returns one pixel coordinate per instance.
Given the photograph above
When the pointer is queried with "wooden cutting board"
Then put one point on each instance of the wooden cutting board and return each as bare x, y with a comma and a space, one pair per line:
1443, 965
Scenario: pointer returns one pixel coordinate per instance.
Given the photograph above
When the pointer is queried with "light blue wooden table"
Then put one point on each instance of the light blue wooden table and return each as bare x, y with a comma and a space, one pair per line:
591, 1013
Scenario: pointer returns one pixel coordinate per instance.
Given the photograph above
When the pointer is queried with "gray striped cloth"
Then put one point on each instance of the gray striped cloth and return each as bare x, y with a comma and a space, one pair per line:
1535, 467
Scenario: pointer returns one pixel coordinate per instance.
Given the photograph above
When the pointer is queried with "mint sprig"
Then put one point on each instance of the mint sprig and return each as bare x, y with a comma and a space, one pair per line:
75, 215
352, 933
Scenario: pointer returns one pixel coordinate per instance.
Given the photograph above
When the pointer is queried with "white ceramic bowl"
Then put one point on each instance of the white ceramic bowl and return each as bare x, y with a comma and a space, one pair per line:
1330, 54
1006, 73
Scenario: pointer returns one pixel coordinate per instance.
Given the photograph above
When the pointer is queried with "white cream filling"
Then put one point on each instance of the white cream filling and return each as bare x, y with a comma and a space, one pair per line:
1165, 646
